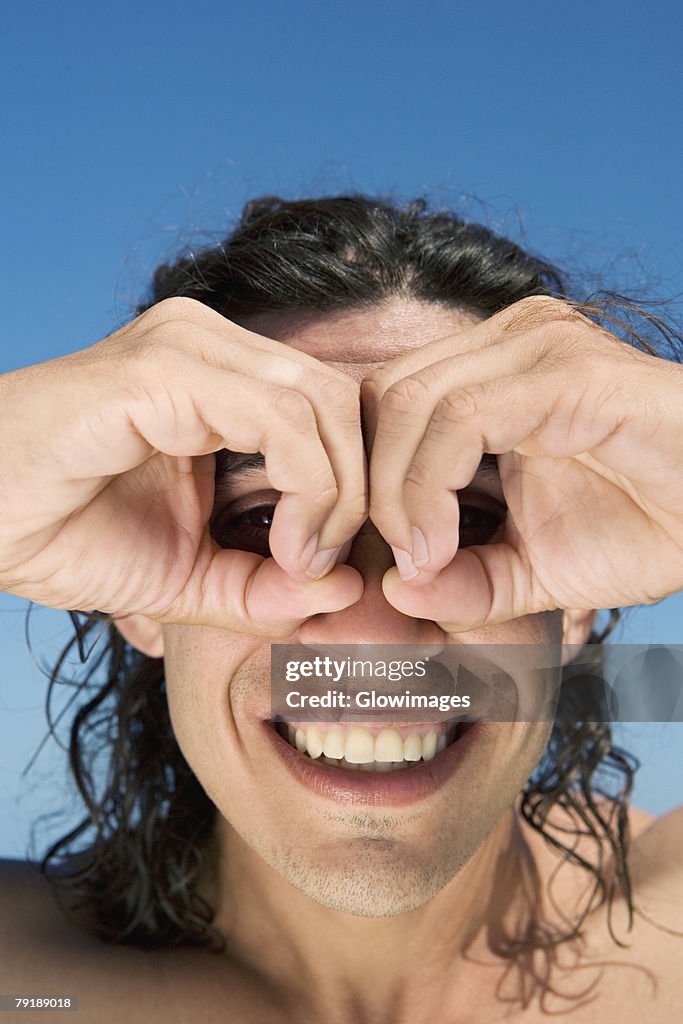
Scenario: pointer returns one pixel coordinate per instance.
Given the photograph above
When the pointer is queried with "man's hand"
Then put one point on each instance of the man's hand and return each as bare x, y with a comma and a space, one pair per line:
589, 434
107, 475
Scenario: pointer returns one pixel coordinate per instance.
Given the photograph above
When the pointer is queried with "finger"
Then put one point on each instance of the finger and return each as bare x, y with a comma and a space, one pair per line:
482, 586
192, 408
336, 408
194, 328
176, 405
410, 489
533, 415
497, 417
161, 560
244, 593
537, 317
334, 398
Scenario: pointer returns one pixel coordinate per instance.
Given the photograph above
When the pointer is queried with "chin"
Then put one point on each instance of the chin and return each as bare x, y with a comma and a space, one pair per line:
374, 876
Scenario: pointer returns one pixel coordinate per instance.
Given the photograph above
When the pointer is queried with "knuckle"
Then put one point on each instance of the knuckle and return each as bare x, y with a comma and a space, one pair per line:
420, 476
165, 336
294, 408
145, 355
177, 308
177, 322
537, 311
325, 497
458, 407
153, 356
375, 382
321, 486
579, 356
151, 346
339, 396
561, 344
354, 510
382, 512
405, 396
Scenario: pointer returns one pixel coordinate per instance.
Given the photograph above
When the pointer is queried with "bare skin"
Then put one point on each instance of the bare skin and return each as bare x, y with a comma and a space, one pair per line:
291, 955
42, 952
180, 382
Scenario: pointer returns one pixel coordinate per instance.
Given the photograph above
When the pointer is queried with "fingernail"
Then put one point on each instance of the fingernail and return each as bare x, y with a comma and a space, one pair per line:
420, 549
322, 562
404, 564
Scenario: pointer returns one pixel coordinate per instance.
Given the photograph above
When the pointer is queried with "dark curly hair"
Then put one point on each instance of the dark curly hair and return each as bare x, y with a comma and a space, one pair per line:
130, 868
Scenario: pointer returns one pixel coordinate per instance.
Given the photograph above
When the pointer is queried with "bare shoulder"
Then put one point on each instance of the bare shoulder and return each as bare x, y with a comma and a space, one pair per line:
42, 952
654, 944
34, 931
655, 940
657, 856
30, 911
636, 962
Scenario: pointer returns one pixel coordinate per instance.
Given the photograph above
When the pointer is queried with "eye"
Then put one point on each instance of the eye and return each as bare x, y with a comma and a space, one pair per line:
246, 530
479, 523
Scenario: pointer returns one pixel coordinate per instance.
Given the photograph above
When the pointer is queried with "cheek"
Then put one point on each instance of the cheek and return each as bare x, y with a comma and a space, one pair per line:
200, 663
544, 628
514, 671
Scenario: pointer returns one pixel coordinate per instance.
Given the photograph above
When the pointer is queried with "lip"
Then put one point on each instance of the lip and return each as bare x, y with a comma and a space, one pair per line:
390, 789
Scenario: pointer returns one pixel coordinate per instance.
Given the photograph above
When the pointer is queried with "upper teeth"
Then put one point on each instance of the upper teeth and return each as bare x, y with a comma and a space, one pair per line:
355, 746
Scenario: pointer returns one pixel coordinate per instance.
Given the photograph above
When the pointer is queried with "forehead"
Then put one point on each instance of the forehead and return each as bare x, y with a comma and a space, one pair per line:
359, 340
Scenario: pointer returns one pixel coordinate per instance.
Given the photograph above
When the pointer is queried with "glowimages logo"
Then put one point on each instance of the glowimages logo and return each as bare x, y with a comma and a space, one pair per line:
479, 682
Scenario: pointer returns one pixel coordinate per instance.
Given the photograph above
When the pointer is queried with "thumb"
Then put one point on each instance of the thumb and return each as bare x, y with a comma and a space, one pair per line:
481, 586
241, 591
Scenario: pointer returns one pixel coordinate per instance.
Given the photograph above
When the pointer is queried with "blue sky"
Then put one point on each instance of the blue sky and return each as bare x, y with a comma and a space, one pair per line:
131, 129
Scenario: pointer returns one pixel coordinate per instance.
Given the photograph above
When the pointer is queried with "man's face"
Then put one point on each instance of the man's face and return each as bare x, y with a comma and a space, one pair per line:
364, 847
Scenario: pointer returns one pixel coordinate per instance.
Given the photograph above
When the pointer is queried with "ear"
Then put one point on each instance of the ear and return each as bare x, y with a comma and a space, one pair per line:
144, 634
576, 627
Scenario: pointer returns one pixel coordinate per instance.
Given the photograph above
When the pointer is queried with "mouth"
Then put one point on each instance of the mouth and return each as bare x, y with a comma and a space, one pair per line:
374, 763
371, 748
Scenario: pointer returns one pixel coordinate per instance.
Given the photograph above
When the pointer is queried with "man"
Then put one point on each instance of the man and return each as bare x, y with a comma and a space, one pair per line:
342, 894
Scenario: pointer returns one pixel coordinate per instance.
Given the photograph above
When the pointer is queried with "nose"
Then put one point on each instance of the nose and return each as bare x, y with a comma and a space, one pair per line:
372, 620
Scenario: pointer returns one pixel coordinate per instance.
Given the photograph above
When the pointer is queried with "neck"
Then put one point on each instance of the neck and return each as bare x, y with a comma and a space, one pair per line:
389, 968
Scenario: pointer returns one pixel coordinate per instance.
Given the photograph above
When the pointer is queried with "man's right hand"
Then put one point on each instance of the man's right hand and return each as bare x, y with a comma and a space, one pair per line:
107, 475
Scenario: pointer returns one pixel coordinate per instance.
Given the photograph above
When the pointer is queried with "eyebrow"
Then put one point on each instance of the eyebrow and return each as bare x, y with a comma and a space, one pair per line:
236, 463
231, 465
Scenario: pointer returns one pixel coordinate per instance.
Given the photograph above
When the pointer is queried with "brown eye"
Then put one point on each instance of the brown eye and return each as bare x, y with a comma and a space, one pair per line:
246, 531
478, 525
